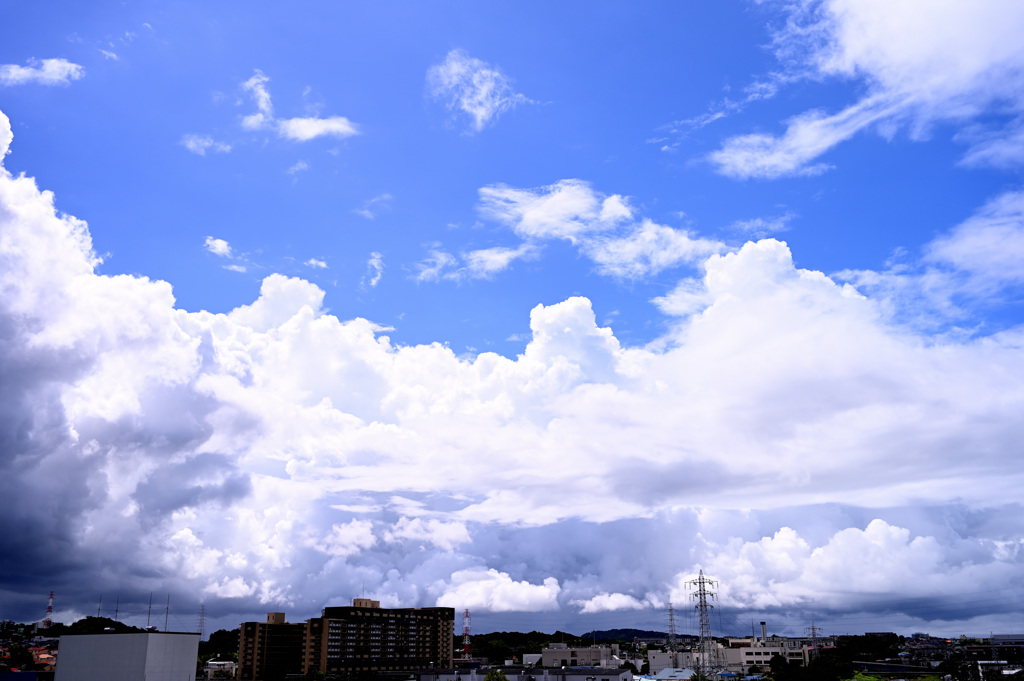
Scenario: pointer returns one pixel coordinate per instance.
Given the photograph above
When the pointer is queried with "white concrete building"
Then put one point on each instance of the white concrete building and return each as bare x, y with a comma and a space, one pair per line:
561, 655
660, 660
152, 656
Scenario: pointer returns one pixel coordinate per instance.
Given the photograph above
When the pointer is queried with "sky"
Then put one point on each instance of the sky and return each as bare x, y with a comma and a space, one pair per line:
535, 309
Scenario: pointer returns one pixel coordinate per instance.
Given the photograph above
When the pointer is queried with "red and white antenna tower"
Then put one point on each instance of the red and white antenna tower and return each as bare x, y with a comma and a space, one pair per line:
465, 634
48, 620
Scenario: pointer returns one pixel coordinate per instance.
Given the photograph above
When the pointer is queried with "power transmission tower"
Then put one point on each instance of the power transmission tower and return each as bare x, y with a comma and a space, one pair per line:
671, 630
202, 620
707, 660
813, 632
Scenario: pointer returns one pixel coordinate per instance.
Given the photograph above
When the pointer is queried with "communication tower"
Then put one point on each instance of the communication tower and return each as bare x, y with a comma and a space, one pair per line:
707, 652
48, 620
465, 634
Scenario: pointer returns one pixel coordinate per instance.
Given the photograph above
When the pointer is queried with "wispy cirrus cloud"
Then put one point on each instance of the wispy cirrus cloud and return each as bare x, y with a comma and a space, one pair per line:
41, 72
951, 63
256, 86
298, 129
481, 263
976, 264
761, 227
472, 88
374, 270
372, 207
439, 264
200, 144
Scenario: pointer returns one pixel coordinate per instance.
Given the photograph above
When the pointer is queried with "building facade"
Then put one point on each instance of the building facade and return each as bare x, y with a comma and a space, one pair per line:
362, 637
366, 637
562, 655
154, 656
270, 650
521, 674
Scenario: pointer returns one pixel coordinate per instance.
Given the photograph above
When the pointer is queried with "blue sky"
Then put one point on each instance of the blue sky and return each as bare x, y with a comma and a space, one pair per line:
338, 298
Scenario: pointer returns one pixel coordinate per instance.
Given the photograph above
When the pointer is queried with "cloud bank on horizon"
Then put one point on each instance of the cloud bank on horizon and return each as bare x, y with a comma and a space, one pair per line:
842, 445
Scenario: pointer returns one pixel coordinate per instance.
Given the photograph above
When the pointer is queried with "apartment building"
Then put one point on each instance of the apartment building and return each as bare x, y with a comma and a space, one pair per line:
356, 638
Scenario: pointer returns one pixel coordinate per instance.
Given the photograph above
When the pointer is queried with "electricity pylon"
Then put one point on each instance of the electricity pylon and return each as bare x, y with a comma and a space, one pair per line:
707, 660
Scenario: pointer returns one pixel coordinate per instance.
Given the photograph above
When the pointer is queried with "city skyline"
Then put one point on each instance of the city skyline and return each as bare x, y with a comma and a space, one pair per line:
535, 310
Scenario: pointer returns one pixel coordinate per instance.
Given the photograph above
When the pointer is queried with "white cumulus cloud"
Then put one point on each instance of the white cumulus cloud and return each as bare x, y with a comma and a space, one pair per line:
603, 227
41, 72
218, 247
495, 591
305, 129
277, 455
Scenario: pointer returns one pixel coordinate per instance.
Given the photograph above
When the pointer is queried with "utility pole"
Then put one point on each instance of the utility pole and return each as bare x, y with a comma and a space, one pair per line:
707, 662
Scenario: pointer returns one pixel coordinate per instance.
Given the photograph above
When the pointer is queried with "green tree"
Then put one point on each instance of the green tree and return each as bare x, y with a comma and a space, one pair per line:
495, 675
18, 656
223, 644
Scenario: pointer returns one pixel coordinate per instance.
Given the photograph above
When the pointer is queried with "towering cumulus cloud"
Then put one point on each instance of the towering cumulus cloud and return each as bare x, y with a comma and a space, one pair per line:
278, 457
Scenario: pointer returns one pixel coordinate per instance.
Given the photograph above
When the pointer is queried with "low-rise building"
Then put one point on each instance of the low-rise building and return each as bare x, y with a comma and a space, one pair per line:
153, 656
220, 669
561, 655
660, 660
524, 674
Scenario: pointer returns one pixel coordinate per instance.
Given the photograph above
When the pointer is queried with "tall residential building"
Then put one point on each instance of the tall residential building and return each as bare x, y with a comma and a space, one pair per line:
360, 637
270, 650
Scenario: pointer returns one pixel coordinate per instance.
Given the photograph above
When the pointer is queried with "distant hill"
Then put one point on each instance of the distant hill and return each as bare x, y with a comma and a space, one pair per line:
499, 646
622, 634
